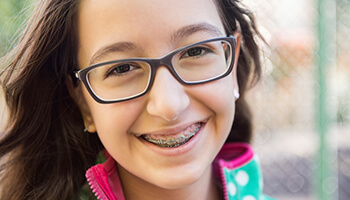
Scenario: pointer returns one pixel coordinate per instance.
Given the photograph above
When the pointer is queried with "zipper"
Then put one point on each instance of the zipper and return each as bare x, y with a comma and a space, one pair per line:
94, 184
223, 179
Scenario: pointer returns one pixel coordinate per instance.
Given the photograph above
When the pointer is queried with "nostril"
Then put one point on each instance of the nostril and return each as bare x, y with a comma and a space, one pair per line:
169, 110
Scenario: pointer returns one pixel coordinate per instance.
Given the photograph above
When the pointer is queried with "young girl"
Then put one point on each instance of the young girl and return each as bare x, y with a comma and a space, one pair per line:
153, 90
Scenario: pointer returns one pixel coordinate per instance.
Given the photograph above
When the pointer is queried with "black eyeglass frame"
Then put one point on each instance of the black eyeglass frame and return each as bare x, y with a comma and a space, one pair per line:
154, 63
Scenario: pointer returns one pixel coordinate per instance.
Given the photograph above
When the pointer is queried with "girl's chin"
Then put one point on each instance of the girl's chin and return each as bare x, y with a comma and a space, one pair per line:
180, 178
176, 182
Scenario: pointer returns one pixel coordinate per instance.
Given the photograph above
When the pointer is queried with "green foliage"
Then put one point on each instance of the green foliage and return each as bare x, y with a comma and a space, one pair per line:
13, 13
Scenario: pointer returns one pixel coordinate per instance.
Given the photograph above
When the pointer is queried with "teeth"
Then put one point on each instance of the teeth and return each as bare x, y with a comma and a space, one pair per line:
172, 142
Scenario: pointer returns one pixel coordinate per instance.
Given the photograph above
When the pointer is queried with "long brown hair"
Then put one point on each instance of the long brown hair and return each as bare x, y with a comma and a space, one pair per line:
43, 151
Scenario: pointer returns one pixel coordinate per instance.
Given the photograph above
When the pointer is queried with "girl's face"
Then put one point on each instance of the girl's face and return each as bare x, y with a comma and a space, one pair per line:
169, 109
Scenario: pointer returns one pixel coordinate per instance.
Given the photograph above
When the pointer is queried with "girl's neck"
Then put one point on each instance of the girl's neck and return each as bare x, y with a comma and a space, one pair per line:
137, 189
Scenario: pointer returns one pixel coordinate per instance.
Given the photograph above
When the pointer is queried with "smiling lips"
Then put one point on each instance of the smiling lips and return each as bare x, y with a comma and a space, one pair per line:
174, 140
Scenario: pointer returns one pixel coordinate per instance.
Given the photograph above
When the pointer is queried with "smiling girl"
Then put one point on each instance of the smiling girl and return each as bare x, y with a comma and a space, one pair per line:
155, 89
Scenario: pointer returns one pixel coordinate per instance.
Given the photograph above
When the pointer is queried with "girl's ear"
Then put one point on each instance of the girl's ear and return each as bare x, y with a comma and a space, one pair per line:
237, 35
77, 95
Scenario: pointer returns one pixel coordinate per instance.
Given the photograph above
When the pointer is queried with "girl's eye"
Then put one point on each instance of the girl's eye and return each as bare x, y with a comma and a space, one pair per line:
196, 52
123, 68
120, 69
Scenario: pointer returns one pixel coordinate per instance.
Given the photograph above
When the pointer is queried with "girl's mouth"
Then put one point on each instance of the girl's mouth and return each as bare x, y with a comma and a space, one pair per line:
174, 140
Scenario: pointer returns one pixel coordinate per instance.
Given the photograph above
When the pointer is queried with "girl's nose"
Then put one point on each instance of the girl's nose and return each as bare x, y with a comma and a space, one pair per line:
167, 97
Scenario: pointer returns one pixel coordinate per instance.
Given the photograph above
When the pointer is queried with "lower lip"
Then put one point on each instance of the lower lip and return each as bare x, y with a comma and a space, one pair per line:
166, 151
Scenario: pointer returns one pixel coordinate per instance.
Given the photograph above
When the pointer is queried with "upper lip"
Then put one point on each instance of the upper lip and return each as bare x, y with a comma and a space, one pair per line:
171, 130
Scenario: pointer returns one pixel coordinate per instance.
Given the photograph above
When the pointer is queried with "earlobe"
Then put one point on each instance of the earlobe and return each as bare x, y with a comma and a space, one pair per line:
89, 126
76, 93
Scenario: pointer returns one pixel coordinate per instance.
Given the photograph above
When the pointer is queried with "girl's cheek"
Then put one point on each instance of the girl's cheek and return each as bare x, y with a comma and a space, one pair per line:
115, 117
218, 94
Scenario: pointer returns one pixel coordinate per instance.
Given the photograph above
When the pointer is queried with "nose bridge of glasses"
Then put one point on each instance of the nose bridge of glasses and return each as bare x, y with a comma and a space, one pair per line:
166, 62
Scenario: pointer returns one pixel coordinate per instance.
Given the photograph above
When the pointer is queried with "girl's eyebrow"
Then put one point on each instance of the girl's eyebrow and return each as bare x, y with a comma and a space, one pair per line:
112, 48
188, 30
181, 33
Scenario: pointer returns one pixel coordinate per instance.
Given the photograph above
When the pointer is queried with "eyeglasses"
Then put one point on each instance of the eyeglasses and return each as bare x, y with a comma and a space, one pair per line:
126, 79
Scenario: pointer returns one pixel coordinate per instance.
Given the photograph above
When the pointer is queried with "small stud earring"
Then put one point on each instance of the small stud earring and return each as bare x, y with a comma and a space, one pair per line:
235, 94
86, 129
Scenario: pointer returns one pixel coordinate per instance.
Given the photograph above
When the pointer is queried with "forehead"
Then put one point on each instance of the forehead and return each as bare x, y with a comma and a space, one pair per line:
150, 9
148, 23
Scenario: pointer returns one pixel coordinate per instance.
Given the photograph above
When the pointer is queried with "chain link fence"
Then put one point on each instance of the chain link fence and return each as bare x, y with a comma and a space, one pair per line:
285, 100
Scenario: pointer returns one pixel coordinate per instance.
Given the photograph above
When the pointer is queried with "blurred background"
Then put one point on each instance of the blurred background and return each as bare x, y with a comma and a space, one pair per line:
302, 103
